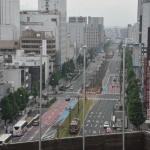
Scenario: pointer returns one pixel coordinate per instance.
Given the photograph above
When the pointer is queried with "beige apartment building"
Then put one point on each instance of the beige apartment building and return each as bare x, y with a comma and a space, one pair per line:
32, 40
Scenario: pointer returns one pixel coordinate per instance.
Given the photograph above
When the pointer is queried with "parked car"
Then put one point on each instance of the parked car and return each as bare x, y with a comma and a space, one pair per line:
35, 123
67, 97
106, 124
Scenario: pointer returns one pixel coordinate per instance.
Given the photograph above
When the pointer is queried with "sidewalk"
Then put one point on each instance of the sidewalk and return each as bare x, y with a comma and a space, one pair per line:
10, 125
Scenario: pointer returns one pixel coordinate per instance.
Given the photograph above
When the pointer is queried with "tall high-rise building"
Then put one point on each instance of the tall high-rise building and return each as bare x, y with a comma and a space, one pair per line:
9, 19
61, 7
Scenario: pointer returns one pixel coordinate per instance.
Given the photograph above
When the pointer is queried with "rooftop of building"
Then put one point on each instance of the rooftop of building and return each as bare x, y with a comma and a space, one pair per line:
36, 12
29, 33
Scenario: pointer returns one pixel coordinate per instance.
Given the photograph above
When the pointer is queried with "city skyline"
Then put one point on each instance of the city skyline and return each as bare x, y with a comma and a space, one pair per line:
116, 13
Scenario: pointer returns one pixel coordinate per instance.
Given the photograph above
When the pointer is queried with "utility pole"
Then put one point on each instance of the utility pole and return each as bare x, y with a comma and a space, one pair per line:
40, 97
123, 102
84, 96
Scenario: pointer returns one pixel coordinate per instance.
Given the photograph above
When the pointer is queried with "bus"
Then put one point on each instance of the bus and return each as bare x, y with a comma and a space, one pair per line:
5, 138
20, 128
74, 126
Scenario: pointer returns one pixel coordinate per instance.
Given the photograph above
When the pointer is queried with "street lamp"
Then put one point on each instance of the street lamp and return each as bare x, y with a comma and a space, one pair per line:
57, 130
84, 47
69, 115
123, 114
78, 103
40, 118
53, 85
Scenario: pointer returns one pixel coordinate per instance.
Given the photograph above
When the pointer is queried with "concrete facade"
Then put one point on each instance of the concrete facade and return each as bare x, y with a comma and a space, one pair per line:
79, 19
95, 20
77, 33
18, 76
31, 59
130, 31
94, 36
145, 22
9, 19
31, 42
136, 33
123, 33
59, 6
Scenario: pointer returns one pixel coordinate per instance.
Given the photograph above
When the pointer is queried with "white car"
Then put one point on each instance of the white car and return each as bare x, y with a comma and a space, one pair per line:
71, 87
106, 124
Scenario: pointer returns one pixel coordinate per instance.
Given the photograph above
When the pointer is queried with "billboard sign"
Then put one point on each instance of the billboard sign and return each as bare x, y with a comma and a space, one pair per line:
44, 47
148, 114
147, 87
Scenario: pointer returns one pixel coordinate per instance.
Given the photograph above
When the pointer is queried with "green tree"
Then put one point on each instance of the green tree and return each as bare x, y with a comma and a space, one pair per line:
13, 103
17, 98
130, 74
35, 90
6, 109
135, 113
26, 93
54, 80
23, 98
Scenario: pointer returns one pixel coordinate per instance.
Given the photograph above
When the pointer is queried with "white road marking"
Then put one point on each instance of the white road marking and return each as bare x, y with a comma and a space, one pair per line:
91, 125
101, 121
89, 121
86, 125
97, 121
93, 120
99, 131
96, 125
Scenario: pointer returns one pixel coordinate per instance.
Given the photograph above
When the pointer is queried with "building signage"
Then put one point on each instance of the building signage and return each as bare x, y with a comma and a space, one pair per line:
145, 70
147, 87
44, 47
148, 114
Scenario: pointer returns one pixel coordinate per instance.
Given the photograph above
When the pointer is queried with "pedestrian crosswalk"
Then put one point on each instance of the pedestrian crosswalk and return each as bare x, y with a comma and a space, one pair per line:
110, 93
94, 98
114, 93
104, 99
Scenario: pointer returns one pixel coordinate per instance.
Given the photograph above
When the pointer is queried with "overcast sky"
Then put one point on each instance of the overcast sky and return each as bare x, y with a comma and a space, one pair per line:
115, 12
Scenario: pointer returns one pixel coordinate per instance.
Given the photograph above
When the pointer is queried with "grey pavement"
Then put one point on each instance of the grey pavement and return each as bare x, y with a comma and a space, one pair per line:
103, 108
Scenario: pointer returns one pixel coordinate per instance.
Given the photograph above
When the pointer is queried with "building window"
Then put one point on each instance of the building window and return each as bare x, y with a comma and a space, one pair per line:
53, 20
47, 9
28, 19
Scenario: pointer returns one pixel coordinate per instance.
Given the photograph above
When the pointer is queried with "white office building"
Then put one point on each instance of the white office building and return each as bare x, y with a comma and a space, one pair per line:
9, 20
61, 7
136, 33
77, 33
30, 59
18, 76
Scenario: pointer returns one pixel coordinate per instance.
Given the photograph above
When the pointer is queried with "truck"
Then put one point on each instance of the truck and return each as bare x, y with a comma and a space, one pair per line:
74, 126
